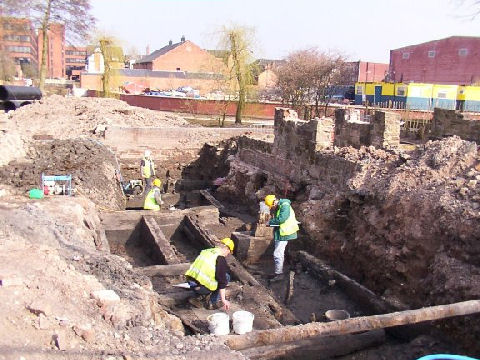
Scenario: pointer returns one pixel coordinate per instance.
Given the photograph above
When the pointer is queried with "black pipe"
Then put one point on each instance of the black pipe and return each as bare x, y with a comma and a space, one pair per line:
11, 92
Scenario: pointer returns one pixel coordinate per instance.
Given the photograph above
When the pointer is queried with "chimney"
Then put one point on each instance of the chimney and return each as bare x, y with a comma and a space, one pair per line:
170, 43
147, 50
182, 38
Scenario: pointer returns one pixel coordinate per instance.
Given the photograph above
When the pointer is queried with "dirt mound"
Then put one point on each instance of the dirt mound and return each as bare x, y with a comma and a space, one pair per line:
59, 305
66, 117
91, 164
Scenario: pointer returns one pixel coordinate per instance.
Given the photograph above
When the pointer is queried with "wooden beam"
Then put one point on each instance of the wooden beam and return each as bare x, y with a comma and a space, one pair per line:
162, 245
353, 325
164, 270
318, 348
365, 297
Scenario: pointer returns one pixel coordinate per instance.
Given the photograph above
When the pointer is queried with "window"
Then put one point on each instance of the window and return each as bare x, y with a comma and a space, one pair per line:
178, 69
462, 52
359, 90
406, 55
431, 53
76, 53
442, 94
19, 49
19, 38
401, 91
75, 60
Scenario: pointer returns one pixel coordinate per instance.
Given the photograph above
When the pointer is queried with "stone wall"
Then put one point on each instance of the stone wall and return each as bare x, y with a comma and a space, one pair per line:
386, 130
349, 133
383, 132
450, 122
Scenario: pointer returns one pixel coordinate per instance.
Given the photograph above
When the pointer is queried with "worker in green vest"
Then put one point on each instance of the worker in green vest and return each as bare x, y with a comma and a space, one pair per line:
153, 199
208, 276
285, 229
147, 169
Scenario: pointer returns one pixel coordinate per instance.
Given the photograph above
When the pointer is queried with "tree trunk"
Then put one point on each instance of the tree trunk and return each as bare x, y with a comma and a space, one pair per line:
43, 64
349, 326
240, 79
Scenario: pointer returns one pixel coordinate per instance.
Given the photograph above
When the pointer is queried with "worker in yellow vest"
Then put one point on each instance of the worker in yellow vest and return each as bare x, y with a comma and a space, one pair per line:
208, 276
285, 229
153, 199
147, 169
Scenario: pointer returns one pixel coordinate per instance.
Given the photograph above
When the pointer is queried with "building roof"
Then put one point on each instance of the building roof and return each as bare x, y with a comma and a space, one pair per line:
168, 74
444, 39
157, 53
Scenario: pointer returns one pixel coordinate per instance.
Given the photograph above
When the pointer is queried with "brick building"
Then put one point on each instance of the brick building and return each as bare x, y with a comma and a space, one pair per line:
182, 56
183, 64
452, 61
75, 61
19, 40
55, 52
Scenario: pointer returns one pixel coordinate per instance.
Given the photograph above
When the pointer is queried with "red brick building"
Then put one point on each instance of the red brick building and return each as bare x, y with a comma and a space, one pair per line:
19, 40
55, 52
75, 61
454, 60
182, 56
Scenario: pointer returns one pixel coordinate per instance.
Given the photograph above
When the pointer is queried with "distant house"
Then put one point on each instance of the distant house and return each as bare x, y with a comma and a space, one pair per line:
452, 61
267, 73
176, 65
182, 56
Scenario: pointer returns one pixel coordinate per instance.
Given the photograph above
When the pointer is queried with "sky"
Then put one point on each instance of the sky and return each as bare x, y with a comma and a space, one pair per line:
361, 30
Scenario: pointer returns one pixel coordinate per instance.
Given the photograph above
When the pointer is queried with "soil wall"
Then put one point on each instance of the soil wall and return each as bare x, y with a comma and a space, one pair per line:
404, 225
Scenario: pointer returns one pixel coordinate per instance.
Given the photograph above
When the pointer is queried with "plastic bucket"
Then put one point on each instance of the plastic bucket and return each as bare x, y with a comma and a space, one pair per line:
219, 324
242, 322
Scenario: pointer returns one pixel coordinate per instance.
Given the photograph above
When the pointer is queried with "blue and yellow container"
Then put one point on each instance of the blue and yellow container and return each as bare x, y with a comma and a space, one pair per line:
419, 96
444, 96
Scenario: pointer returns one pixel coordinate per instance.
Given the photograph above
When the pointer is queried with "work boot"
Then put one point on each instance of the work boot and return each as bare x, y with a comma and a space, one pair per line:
197, 302
276, 277
214, 306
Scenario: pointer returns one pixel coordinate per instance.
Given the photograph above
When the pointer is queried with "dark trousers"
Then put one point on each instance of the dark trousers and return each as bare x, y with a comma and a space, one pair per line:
202, 290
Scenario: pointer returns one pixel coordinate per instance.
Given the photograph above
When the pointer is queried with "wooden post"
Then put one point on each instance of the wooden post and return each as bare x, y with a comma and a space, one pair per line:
164, 270
349, 326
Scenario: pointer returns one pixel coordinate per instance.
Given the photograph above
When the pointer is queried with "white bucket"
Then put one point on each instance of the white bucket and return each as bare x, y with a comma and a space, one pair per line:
219, 324
242, 322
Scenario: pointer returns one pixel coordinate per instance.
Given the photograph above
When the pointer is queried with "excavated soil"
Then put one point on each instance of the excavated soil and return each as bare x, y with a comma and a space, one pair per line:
406, 225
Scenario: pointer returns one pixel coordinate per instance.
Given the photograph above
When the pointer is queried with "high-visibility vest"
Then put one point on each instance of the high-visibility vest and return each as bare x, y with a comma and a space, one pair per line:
290, 226
203, 268
150, 203
148, 168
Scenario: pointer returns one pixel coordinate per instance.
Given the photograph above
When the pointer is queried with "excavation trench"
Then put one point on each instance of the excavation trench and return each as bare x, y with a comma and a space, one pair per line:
162, 244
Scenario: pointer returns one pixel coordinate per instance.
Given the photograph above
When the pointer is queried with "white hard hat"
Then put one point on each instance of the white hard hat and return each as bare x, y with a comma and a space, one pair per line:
147, 153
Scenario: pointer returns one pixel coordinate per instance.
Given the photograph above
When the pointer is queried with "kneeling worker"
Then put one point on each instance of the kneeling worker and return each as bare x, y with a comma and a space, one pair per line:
153, 199
208, 276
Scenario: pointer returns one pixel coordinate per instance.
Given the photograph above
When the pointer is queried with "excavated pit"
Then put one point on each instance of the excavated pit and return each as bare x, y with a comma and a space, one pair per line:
230, 213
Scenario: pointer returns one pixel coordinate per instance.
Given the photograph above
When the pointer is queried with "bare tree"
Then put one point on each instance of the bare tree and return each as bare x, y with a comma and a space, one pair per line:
239, 44
73, 14
295, 79
472, 5
310, 76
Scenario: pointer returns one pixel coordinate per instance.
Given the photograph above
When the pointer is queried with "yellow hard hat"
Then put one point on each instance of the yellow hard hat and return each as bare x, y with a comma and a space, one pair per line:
157, 183
229, 243
269, 199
